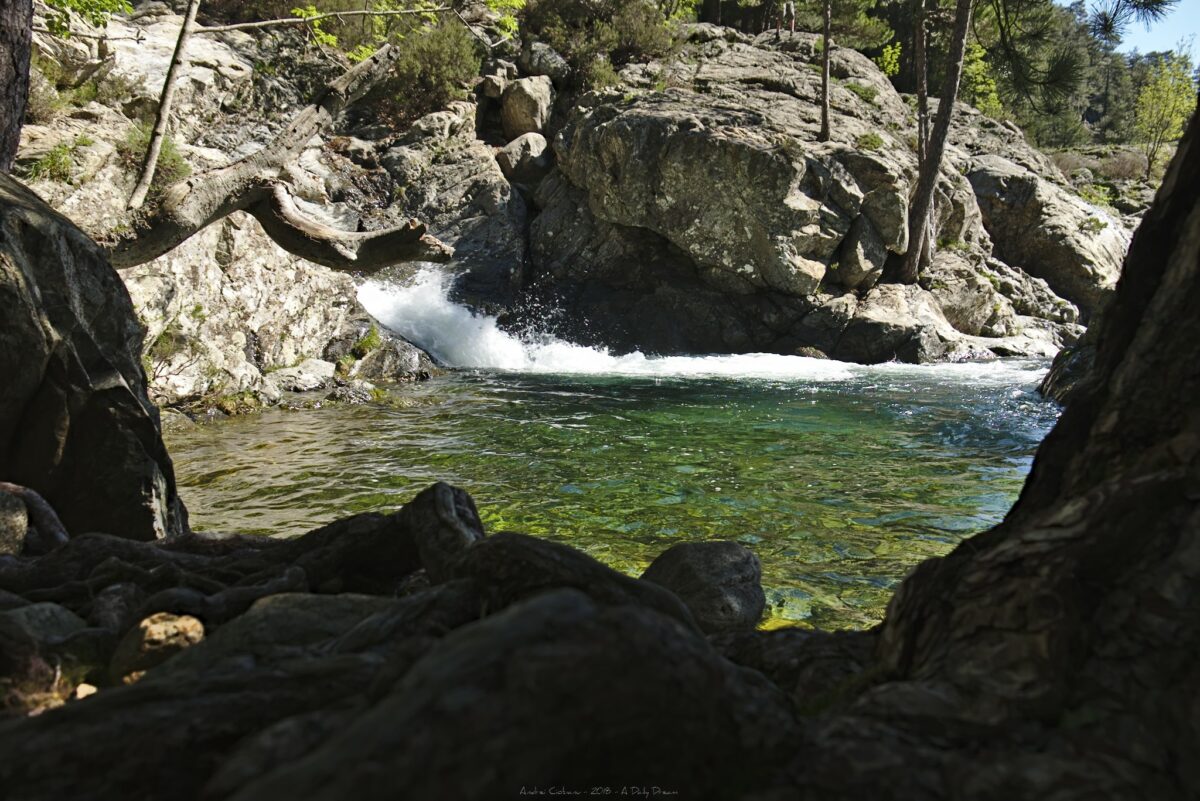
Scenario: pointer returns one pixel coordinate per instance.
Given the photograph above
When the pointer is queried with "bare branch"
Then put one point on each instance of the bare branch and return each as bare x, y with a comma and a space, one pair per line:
166, 100
242, 26
190, 205
359, 251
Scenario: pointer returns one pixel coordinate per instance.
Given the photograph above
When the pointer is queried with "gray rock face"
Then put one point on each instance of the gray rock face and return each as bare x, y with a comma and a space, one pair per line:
451, 181
721, 583
719, 185
539, 58
228, 306
1050, 233
525, 105
76, 424
525, 160
308, 375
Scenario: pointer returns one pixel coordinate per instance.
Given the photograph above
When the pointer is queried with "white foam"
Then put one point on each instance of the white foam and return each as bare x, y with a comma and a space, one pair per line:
420, 311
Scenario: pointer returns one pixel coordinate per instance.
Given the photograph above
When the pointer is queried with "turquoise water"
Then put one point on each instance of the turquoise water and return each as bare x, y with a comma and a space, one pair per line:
840, 477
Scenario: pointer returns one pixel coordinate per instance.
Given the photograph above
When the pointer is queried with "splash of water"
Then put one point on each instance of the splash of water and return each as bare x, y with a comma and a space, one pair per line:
421, 311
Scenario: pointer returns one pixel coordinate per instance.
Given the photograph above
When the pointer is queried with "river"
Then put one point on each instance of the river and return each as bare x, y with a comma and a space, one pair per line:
840, 476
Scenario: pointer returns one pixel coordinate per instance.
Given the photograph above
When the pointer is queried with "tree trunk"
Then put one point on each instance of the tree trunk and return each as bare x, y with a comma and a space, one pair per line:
162, 121
921, 212
16, 32
711, 12
827, 43
254, 185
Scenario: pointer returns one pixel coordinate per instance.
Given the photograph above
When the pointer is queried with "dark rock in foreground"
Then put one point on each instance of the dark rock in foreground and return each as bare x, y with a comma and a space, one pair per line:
721, 583
75, 422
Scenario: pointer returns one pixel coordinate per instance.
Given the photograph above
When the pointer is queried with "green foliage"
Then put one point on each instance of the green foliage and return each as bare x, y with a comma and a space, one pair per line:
432, 70
507, 11
889, 60
866, 93
1096, 194
1092, 225
369, 342
56, 165
853, 23
320, 35
597, 38
870, 141
1164, 105
93, 12
171, 165
978, 84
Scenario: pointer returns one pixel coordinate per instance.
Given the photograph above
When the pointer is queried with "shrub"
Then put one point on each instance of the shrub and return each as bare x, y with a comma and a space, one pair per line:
866, 93
171, 165
55, 165
369, 342
1124, 165
1096, 194
870, 141
434, 68
598, 37
889, 60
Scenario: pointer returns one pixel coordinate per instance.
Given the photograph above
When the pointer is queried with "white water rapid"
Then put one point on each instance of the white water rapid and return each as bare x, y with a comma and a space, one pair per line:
421, 311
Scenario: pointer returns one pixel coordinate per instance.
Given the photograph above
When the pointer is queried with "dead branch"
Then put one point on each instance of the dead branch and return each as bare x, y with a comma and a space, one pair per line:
253, 184
243, 26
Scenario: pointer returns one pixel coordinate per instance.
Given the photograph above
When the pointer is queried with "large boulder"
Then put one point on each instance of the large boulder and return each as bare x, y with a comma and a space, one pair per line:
1049, 232
228, 306
525, 105
665, 200
525, 159
721, 583
76, 424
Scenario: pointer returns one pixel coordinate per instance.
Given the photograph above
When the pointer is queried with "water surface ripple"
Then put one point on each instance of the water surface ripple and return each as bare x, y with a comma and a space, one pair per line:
840, 482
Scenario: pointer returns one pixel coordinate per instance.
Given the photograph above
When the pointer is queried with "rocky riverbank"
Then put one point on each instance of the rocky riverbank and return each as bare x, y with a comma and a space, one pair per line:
689, 210
412, 653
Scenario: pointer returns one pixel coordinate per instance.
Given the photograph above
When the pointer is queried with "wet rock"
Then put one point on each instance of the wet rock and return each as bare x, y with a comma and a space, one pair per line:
525, 106
352, 392
453, 183
395, 360
14, 523
152, 642
721, 583
525, 160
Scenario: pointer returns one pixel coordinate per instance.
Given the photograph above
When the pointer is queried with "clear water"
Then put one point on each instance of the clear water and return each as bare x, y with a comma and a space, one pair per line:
840, 477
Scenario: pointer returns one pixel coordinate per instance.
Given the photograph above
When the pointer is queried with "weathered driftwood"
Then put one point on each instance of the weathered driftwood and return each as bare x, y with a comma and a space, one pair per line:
255, 185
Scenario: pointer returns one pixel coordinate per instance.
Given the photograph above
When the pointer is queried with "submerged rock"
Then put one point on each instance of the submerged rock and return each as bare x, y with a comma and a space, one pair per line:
721, 583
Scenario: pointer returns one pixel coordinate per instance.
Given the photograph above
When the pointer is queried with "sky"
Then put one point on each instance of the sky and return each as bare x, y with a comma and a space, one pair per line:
1182, 23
